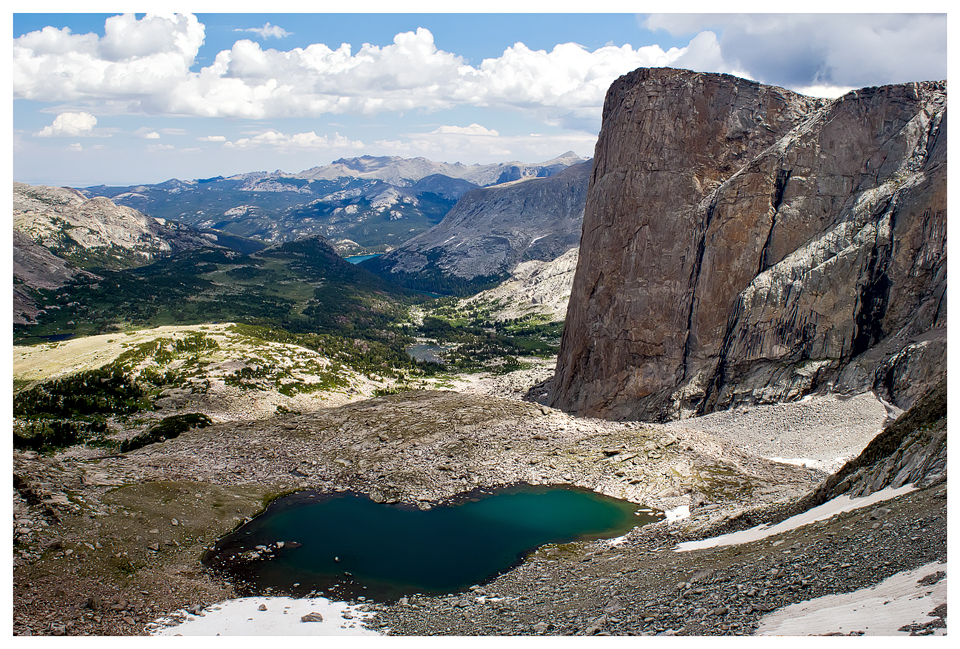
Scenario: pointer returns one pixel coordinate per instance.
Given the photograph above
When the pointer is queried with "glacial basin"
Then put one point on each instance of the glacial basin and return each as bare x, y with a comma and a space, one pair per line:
344, 545
427, 353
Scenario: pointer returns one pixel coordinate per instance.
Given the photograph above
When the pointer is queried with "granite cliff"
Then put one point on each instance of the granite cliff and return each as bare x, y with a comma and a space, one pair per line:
746, 244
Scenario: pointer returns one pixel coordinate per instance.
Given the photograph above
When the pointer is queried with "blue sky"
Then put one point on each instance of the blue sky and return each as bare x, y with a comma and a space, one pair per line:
110, 99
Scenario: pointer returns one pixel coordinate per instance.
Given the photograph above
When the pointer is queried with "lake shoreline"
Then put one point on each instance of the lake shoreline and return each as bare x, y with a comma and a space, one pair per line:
427, 447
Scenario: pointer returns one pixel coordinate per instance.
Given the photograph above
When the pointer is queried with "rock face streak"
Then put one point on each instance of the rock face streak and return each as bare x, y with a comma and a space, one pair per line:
746, 244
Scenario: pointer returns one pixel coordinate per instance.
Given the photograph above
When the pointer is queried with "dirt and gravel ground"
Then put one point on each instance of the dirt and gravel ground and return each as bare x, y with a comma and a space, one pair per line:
105, 544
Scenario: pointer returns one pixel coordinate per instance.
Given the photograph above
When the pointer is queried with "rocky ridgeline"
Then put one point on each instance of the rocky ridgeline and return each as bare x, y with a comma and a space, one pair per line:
745, 244
913, 450
97, 230
35, 267
410, 171
492, 230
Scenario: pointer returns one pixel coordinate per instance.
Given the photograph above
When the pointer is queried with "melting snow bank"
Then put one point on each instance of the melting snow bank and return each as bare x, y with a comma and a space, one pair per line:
830, 508
267, 616
911, 601
678, 514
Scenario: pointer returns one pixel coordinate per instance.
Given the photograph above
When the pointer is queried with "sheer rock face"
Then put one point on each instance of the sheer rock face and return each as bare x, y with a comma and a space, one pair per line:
745, 244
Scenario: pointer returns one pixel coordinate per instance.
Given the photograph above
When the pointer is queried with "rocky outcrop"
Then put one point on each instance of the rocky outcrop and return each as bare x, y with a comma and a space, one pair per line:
492, 230
97, 232
745, 244
35, 267
540, 288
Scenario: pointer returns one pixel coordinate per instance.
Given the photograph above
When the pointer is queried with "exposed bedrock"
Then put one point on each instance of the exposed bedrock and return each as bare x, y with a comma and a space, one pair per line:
746, 244
493, 229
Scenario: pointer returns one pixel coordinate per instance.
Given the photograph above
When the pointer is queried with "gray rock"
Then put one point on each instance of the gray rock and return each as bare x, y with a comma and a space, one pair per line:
771, 246
492, 230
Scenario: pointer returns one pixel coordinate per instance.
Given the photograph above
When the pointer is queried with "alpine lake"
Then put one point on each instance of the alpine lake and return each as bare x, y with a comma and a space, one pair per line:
343, 545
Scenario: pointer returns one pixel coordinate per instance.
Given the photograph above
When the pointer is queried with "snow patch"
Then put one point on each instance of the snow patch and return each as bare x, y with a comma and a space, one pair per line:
905, 598
828, 509
827, 466
678, 514
280, 616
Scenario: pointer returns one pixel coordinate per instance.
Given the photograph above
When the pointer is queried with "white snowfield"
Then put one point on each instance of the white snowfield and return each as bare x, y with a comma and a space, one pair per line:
898, 601
243, 617
830, 508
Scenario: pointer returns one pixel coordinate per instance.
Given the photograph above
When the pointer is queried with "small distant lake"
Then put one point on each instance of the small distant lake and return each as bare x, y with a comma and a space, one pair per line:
358, 258
346, 545
55, 338
426, 353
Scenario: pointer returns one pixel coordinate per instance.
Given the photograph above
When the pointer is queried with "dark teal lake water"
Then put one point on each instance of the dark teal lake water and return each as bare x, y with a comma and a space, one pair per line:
358, 258
426, 353
351, 546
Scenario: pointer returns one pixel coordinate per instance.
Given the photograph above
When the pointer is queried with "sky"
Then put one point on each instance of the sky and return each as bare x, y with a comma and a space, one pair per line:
122, 99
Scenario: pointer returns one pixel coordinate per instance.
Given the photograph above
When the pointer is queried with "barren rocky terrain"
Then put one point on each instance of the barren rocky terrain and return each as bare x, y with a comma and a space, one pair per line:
104, 544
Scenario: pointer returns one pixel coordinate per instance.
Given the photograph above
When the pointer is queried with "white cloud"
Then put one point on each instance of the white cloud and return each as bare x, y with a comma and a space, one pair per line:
152, 74
153, 135
267, 31
69, 125
473, 129
839, 50
76, 146
138, 63
212, 138
297, 141
144, 66
828, 92
455, 143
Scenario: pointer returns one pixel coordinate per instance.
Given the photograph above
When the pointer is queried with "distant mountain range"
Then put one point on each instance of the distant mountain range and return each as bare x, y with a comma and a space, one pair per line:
361, 205
85, 266
490, 231
61, 237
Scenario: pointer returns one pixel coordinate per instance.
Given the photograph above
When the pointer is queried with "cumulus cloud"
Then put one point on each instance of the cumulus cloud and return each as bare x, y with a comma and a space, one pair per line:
267, 31
137, 63
152, 74
212, 138
69, 125
152, 135
145, 66
473, 129
297, 141
826, 50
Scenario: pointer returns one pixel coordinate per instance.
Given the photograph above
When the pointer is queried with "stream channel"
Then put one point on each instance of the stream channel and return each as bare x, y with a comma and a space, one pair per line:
345, 546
